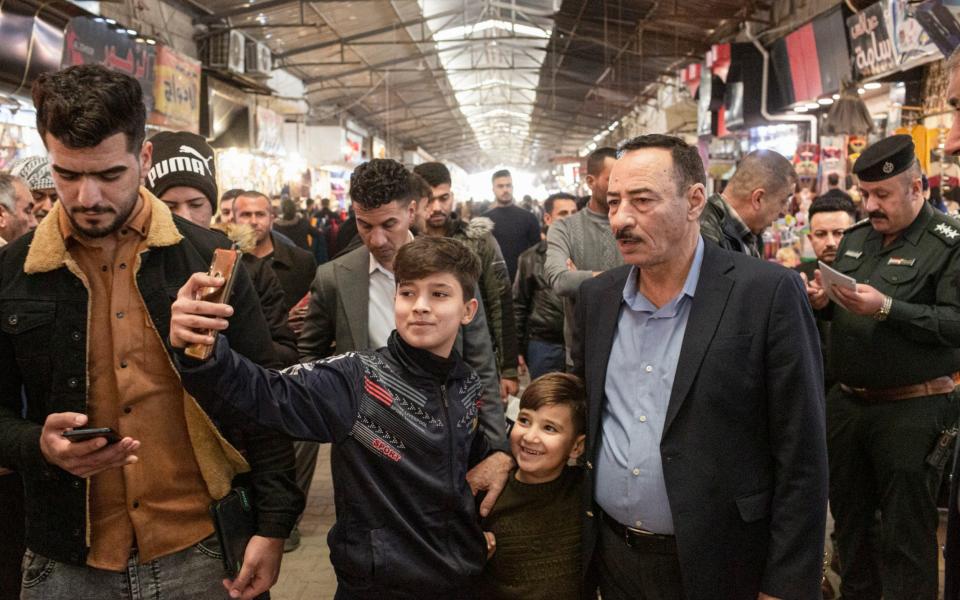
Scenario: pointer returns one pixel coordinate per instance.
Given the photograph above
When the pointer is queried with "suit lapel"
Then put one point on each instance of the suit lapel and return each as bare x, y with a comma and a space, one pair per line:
601, 328
709, 302
353, 291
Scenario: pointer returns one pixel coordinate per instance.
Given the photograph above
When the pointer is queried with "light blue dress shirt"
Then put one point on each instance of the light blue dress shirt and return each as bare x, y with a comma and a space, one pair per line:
640, 373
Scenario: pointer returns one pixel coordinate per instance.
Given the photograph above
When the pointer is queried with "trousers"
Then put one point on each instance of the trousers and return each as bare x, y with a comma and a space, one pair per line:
883, 494
195, 572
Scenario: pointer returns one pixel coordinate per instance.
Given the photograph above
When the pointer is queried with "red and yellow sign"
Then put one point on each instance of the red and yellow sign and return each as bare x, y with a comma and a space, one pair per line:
176, 91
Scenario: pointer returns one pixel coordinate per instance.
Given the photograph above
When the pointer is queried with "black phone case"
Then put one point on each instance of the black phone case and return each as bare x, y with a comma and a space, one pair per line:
235, 523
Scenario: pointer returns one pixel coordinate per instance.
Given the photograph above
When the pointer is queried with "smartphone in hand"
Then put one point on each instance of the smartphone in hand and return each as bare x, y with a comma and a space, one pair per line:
82, 435
225, 264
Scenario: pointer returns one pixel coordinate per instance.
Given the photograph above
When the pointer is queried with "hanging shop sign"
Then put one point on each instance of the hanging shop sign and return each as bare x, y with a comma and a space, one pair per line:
910, 40
87, 41
269, 131
940, 23
718, 60
176, 92
872, 50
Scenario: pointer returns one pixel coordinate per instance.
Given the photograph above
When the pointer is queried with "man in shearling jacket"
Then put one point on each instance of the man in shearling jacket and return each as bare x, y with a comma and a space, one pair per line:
85, 308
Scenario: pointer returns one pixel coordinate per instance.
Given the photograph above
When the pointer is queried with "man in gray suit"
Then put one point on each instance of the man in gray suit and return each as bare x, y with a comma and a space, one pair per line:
351, 297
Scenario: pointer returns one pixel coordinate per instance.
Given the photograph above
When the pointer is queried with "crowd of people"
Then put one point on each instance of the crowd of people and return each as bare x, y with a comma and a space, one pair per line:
691, 411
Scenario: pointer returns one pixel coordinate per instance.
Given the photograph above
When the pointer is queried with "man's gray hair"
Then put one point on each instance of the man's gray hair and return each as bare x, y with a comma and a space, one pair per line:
764, 169
8, 192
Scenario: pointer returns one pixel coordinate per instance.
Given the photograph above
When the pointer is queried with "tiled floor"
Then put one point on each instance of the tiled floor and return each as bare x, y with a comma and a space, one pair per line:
306, 573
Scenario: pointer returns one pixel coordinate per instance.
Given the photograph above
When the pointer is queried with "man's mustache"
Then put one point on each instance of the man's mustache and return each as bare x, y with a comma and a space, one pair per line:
877, 214
627, 235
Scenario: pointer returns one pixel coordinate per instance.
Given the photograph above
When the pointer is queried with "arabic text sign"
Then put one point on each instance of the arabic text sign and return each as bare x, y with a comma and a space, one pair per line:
176, 91
89, 42
872, 50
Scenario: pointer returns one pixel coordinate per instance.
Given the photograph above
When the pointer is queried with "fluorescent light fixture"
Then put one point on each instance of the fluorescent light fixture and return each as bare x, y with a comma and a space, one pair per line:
836, 96
812, 105
262, 19
861, 91
800, 109
825, 101
461, 31
110, 21
151, 42
140, 40
132, 31
99, 20
873, 85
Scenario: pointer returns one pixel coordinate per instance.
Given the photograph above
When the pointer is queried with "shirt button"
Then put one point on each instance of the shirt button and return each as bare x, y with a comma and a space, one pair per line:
643, 418
76, 533
589, 465
123, 265
590, 513
73, 382
123, 364
75, 336
639, 524
12, 319
636, 471
120, 315
649, 369
76, 484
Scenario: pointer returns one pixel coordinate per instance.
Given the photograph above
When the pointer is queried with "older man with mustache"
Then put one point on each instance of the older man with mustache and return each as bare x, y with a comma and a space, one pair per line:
706, 459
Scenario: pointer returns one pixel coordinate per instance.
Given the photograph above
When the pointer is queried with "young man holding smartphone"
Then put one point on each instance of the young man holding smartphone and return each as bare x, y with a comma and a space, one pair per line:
84, 312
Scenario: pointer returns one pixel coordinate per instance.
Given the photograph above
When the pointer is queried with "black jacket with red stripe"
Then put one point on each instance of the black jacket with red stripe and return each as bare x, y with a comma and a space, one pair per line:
407, 525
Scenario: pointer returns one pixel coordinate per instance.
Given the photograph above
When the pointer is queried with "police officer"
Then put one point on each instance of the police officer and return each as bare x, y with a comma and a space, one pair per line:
896, 342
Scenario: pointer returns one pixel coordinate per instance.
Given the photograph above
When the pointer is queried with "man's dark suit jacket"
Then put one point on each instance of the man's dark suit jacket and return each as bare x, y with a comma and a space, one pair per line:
295, 268
743, 448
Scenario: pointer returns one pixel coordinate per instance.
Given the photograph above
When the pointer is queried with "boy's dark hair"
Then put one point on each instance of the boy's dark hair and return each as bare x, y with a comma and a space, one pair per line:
552, 199
597, 158
435, 173
83, 105
687, 164
381, 181
832, 204
499, 174
426, 256
422, 186
833, 179
561, 389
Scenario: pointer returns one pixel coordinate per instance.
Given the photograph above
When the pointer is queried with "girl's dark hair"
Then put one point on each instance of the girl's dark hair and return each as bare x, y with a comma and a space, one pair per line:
426, 256
83, 105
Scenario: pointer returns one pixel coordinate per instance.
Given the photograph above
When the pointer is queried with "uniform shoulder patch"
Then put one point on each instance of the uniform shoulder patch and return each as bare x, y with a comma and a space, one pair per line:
946, 230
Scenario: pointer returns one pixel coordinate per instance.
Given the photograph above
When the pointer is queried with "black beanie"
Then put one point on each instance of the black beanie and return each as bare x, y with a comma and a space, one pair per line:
182, 158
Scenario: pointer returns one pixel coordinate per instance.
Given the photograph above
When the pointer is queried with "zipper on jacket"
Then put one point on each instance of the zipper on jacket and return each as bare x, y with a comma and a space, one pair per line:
446, 414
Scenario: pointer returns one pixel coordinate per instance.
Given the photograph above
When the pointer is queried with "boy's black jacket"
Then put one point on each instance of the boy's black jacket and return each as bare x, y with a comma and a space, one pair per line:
402, 444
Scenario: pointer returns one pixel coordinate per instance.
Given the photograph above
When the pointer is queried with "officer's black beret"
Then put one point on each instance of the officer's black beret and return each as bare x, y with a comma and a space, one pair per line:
888, 157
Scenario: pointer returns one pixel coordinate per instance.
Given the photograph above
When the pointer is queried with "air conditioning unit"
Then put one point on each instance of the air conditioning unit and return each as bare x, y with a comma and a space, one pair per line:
237, 45
259, 59
225, 50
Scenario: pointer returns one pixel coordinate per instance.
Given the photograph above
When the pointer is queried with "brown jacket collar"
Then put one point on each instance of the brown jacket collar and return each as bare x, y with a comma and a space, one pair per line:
48, 252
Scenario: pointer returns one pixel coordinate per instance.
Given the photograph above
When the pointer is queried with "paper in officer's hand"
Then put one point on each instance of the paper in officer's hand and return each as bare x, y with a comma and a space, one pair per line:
831, 277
